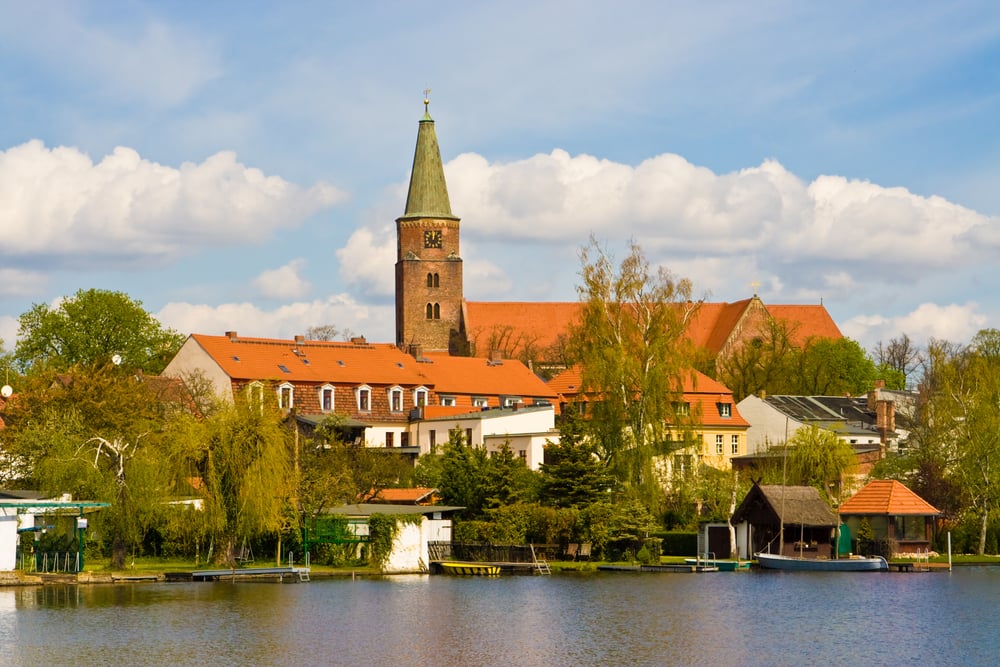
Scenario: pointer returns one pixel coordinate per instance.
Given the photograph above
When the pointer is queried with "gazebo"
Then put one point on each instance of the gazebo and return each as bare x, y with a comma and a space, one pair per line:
895, 513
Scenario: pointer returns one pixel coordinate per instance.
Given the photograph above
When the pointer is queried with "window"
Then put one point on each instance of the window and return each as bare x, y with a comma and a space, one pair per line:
286, 393
255, 393
434, 311
437, 311
725, 409
364, 395
420, 397
735, 445
511, 401
404, 439
430, 311
396, 399
480, 402
468, 436
433, 437
433, 280
326, 398
523, 454
388, 439
682, 408
718, 444
447, 400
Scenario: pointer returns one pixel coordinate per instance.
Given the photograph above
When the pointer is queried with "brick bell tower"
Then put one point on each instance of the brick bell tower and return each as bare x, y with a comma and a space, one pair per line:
428, 266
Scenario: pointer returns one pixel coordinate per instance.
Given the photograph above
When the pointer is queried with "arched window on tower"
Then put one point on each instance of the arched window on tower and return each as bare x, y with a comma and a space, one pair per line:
430, 311
437, 311
437, 280
430, 280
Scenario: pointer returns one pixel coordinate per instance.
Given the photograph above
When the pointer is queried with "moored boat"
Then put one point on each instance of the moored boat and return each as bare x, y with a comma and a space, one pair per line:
853, 564
470, 569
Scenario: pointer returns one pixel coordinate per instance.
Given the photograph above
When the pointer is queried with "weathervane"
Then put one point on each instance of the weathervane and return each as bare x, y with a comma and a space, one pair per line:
427, 100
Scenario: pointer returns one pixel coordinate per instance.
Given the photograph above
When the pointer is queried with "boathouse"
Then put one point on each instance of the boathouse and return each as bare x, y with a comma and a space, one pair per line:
790, 520
897, 516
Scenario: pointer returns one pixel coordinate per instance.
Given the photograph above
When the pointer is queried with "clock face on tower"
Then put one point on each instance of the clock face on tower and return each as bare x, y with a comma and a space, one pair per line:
432, 238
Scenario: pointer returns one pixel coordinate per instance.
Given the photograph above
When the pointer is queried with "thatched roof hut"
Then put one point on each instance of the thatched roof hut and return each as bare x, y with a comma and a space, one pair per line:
805, 518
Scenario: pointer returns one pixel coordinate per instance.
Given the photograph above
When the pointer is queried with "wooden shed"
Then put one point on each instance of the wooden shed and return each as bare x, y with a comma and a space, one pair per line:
896, 515
790, 520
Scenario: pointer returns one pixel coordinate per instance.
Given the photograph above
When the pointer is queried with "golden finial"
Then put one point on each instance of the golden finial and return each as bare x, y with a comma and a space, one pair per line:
755, 284
427, 100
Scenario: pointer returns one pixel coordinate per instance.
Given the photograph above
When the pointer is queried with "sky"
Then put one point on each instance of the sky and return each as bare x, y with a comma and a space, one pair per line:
239, 166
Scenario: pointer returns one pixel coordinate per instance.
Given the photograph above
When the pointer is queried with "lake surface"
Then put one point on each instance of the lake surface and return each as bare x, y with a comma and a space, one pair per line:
755, 618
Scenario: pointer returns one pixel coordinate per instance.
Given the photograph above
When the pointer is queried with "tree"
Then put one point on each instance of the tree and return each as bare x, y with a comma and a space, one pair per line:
633, 350
91, 328
573, 475
763, 363
833, 367
899, 354
247, 473
817, 457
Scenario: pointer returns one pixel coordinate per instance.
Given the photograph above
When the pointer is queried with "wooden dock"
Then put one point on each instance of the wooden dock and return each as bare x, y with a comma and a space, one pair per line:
662, 568
245, 573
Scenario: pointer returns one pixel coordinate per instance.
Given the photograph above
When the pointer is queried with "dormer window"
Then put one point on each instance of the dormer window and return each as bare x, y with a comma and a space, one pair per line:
326, 398
395, 399
480, 402
448, 400
725, 410
364, 398
286, 396
420, 397
682, 408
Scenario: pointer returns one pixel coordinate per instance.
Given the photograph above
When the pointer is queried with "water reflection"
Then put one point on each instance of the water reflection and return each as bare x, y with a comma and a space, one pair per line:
596, 619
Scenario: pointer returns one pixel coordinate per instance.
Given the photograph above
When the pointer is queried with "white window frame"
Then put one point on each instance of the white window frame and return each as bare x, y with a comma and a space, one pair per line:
420, 397
333, 398
725, 410
367, 392
480, 402
393, 393
255, 392
282, 388
511, 401
735, 444
448, 401
719, 441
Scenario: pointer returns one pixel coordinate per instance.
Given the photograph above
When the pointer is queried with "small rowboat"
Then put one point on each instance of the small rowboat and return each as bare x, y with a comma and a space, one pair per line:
470, 569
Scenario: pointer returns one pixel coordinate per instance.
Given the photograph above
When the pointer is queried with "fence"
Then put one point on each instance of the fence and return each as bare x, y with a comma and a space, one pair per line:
50, 561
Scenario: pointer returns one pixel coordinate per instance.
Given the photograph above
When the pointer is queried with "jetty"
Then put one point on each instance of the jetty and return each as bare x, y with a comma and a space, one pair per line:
280, 574
661, 568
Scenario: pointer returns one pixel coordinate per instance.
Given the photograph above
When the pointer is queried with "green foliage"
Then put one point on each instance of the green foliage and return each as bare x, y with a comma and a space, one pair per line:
469, 477
382, 532
91, 327
678, 543
817, 457
632, 348
573, 475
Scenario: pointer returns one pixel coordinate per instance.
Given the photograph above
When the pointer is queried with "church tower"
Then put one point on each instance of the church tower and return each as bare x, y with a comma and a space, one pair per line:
428, 266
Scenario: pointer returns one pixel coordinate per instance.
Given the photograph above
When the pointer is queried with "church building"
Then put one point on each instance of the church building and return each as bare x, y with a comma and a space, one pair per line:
432, 315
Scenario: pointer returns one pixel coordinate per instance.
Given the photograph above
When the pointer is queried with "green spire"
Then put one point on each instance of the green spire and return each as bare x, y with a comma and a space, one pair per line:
428, 195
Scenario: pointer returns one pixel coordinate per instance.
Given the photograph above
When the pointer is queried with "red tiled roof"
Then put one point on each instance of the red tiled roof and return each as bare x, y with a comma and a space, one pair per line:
411, 496
886, 496
700, 391
316, 361
540, 324
477, 376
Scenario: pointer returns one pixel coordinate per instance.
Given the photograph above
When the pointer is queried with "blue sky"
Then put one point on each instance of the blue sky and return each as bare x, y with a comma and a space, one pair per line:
239, 166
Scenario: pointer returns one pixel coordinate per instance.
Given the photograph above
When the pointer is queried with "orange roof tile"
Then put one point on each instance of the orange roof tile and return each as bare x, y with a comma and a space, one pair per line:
477, 376
887, 496
411, 496
539, 325
311, 361
700, 391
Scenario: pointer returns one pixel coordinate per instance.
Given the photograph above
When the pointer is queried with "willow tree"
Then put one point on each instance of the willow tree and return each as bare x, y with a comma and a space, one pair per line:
818, 457
248, 475
631, 344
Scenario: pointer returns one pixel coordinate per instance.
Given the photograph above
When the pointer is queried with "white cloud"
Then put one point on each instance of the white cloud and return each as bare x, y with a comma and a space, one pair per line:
284, 282
8, 332
125, 210
366, 261
340, 310
956, 323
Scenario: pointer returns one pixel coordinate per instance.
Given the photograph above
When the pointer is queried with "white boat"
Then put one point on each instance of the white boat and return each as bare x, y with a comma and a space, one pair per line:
853, 564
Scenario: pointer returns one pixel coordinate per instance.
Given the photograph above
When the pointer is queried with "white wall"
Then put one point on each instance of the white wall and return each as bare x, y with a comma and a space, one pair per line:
192, 359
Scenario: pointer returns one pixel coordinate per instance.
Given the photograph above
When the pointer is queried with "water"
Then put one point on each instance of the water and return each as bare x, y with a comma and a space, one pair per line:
763, 618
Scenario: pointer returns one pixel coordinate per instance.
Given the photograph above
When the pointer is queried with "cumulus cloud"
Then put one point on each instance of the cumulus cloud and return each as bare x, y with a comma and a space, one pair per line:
284, 282
821, 231
124, 210
957, 323
366, 261
340, 310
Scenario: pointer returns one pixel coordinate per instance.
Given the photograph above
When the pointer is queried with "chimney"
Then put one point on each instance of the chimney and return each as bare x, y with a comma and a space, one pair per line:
231, 335
300, 339
496, 357
417, 351
358, 340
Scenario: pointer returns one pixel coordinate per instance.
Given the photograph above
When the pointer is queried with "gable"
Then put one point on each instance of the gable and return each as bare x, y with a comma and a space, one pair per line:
887, 497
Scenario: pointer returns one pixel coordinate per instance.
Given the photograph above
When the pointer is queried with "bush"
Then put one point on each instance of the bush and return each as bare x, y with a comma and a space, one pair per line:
678, 543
